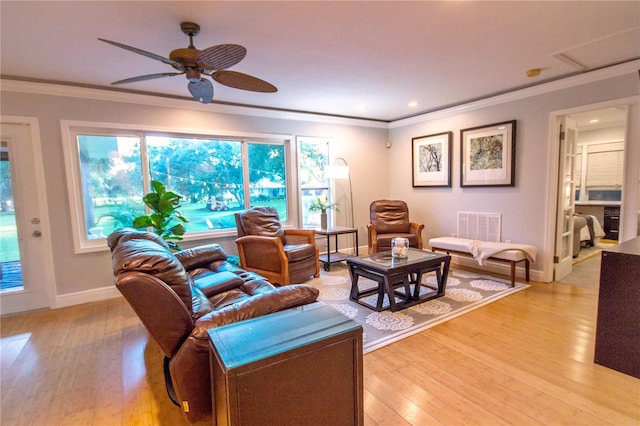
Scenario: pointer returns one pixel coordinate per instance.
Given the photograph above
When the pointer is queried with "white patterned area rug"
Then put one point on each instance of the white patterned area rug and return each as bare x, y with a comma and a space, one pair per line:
465, 291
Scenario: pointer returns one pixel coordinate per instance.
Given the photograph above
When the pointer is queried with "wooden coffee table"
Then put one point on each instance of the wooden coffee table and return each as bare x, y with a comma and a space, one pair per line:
396, 277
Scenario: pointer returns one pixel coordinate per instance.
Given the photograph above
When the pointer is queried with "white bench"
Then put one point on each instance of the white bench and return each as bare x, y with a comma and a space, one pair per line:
511, 253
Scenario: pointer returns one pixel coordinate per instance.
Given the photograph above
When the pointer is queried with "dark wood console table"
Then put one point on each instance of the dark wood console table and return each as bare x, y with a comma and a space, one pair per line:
618, 328
301, 366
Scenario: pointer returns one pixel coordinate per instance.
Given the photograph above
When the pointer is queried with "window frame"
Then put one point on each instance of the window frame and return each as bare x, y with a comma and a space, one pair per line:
72, 128
328, 182
582, 190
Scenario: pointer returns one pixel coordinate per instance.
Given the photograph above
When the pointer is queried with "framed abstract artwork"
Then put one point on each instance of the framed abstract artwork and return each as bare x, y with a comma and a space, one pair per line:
431, 160
487, 155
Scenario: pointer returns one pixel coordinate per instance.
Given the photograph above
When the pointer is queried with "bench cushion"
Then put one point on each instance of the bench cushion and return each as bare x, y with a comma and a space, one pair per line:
508, 251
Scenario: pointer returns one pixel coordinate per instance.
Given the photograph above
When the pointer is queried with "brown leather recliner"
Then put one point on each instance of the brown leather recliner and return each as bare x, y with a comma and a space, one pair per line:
283, 256
389, 219
180, 296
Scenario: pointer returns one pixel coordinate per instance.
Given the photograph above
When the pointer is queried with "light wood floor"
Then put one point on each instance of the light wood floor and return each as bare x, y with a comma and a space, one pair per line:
526, 359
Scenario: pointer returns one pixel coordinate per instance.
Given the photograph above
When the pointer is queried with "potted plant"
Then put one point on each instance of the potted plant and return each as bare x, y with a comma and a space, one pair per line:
166, 220
322, 205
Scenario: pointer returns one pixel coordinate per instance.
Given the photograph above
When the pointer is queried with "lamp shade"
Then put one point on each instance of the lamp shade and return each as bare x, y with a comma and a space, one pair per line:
335, 171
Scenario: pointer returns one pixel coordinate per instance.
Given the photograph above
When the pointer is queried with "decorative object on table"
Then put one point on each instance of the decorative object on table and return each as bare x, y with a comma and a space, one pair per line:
465, 292
488, 155
341, 171
400, 248
322, 205
431, 160
166, 220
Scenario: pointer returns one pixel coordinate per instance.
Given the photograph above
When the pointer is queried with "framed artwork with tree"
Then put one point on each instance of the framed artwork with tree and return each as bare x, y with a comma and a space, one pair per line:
431, 160
488, 155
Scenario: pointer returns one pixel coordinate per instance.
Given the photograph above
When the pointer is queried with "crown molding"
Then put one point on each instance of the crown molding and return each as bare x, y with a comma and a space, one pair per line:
57, 89
553, 86
71, 91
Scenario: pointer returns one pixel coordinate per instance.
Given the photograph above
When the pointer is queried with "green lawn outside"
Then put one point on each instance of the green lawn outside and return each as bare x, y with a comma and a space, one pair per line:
9, 251
197, 213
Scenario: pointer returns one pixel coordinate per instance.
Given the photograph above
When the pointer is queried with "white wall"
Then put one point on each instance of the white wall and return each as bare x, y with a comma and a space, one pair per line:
376, 171
362, 144
524, 207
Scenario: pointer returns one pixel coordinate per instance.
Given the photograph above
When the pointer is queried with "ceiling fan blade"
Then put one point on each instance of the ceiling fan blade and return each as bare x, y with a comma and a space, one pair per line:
175, 64
147, 77
242, 81
202, 91
221, 57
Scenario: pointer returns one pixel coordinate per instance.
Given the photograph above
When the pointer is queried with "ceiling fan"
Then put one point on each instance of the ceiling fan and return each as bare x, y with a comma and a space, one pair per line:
212, 61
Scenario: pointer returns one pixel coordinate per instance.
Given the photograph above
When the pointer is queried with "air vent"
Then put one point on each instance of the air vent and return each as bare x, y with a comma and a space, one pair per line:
480, 226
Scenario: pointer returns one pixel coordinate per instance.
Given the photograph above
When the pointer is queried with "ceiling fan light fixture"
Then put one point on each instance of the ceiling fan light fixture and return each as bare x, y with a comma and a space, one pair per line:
192, 62
193, 75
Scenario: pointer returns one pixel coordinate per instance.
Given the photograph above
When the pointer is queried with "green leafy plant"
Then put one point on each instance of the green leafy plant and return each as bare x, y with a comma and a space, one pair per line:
322, 205
166, 220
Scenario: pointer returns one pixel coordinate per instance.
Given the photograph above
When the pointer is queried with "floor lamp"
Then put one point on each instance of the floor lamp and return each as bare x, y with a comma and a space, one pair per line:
341, 171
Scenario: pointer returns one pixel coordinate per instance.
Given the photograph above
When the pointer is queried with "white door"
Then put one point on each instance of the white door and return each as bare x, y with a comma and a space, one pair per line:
24, 280
563, 256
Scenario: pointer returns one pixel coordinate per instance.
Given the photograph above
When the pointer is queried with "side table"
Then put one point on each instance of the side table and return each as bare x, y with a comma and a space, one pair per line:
300, 366
335, 257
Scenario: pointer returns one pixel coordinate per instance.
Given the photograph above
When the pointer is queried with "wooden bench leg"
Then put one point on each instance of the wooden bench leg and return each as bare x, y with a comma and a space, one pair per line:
513, 273
526, 269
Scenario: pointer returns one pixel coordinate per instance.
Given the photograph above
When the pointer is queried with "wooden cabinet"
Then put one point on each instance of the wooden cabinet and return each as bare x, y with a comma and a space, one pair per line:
301, 366
611, 222
618, 328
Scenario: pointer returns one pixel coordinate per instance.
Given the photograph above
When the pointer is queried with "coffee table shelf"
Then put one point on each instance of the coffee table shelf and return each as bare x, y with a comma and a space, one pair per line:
395, 277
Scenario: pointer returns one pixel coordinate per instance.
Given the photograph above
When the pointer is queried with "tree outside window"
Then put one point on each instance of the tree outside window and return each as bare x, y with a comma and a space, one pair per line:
209, 173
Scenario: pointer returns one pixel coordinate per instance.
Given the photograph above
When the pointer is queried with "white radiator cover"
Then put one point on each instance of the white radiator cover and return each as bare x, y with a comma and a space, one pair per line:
480, 226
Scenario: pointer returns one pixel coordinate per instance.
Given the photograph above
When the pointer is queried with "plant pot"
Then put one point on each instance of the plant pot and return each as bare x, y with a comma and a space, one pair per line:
323, 220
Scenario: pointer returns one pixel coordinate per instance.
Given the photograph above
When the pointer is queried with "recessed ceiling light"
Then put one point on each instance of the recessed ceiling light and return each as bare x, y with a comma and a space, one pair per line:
413, 104
362, 107
533, 72
595, 120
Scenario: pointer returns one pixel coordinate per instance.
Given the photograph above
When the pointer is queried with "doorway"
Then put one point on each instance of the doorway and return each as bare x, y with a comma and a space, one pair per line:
590, 188
25, 254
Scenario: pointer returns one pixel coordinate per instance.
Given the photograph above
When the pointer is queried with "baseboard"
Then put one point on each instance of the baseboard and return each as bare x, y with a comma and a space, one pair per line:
94, 295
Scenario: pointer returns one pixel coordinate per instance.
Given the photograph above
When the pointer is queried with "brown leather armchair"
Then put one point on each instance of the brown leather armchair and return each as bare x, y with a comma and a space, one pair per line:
282, 256
180, 296
389, 219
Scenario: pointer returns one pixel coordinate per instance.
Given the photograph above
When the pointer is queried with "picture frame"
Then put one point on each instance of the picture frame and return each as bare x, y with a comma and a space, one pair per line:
431, 160
487, 155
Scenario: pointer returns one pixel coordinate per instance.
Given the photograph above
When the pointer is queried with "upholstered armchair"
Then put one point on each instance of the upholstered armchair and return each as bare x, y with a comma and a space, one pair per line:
389, 219
283, 256
180, 296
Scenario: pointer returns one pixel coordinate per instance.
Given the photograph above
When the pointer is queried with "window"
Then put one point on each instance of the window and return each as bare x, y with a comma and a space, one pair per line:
598, 172
313, 154
110, 170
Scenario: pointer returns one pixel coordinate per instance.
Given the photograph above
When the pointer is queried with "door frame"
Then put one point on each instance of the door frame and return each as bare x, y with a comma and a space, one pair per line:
47, 264
553, 171
564, 231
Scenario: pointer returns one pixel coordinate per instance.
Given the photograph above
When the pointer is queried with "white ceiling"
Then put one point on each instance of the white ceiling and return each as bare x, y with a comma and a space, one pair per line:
325, 57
